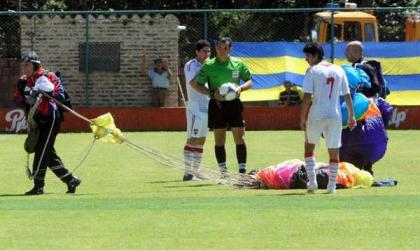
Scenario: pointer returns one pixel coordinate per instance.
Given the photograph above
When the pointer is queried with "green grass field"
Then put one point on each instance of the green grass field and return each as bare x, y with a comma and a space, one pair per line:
127, 201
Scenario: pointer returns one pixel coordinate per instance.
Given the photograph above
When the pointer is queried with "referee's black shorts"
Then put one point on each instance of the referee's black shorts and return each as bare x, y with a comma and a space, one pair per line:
226, 114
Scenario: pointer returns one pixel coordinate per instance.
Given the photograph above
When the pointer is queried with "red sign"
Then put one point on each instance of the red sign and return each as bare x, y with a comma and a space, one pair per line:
257, 118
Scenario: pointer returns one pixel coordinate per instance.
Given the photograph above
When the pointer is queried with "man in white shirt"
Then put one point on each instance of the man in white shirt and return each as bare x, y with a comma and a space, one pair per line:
197, 109
323, 85
160, 75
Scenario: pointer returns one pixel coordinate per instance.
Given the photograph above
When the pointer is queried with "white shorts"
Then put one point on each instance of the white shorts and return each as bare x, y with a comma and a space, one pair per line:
330, 128
196, 124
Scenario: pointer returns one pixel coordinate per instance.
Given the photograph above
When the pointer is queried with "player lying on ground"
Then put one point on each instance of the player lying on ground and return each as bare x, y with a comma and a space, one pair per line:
292, 175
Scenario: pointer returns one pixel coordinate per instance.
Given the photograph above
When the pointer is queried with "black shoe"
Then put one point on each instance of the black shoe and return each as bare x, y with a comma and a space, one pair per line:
242, 171
188, 177
35, 191
72, 184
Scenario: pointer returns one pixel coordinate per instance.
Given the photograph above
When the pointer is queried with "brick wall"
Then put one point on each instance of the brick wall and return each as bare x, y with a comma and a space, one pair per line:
56, 40
9, 74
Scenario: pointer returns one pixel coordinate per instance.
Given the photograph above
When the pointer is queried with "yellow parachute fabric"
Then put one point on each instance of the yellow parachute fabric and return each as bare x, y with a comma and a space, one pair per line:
363, 179
104, 129
350, 176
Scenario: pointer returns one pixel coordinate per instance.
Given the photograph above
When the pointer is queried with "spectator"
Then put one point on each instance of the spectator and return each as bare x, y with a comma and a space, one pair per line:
160, 75
289, 97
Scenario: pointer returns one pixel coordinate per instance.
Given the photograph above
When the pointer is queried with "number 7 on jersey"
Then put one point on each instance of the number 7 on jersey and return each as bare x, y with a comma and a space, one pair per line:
330, 81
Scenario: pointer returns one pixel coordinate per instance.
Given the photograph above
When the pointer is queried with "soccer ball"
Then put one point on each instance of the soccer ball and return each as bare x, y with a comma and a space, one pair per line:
228, 91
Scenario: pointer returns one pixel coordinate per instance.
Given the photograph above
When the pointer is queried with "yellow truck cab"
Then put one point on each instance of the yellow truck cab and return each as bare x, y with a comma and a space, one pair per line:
352, 25
348, 26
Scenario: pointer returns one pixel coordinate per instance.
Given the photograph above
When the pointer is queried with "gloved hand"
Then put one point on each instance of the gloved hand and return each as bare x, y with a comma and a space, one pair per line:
35, 93
31, 96
30, 100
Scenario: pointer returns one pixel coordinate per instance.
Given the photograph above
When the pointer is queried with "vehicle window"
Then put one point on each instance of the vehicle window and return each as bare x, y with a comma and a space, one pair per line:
352, 31
369, 32
337, 32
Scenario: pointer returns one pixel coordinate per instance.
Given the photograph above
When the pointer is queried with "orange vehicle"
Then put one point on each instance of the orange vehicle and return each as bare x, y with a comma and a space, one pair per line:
348, 26
357, 25
412, 27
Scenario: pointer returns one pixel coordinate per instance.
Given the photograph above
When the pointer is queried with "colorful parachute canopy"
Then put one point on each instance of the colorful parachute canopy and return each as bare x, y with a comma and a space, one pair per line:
360, 105
363, 178
367, 142
386, 110
279, 176
356, 77
350, 176
271, 63
104, 129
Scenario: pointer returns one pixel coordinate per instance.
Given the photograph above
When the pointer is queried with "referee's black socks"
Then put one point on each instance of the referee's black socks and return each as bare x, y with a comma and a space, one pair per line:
221, 157
241, 156
220, 153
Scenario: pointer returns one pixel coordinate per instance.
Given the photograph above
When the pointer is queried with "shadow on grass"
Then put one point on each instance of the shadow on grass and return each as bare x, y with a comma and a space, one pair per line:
319, 192
193, 186
23, 195
284, 194
12, 195
162, 182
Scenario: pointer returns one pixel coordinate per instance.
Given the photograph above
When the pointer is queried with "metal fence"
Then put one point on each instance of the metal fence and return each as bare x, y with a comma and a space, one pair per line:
252, 25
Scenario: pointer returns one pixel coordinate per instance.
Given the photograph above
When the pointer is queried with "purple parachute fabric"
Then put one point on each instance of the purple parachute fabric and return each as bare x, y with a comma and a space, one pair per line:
386, 110
367, 143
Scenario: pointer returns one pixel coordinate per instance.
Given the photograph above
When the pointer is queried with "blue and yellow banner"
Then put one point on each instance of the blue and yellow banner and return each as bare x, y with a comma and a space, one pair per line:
271, 63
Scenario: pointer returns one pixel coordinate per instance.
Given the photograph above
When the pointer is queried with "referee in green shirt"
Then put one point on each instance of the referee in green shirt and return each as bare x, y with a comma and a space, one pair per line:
225, 114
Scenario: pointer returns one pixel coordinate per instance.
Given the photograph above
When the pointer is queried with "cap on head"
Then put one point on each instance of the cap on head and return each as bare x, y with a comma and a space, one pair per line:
31, 57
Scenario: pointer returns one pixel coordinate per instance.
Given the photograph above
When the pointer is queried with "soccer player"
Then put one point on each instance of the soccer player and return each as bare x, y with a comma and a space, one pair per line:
197, 109
225, 114
322, 86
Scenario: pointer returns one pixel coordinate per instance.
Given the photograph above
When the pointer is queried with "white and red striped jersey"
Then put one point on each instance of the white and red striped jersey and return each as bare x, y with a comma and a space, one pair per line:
196, 100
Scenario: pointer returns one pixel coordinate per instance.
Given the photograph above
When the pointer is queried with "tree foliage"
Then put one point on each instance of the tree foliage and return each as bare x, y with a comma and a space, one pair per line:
241, 26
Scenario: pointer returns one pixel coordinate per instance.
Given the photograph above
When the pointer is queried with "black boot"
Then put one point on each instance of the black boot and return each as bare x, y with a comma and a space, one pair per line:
36, 190
72, 184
